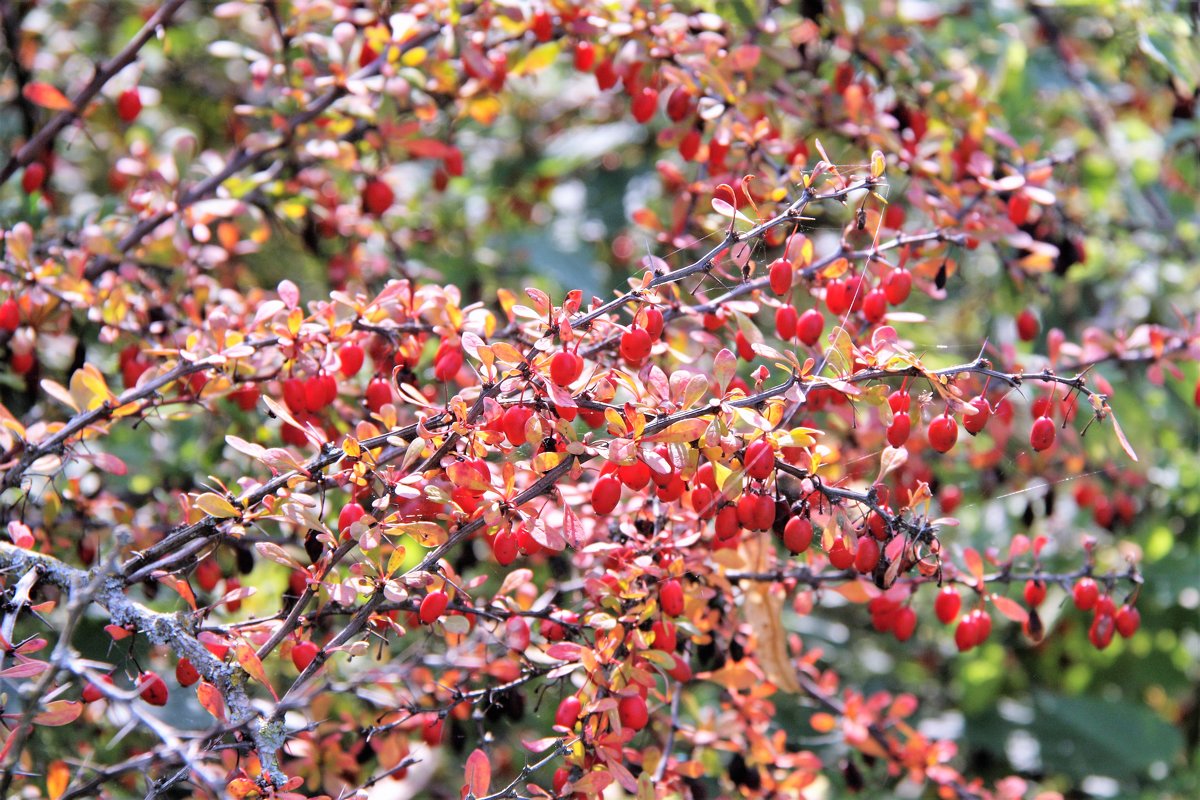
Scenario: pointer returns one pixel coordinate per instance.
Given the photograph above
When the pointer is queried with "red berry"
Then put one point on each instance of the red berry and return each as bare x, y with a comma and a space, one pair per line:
905, 624
432, 607
585, 56
689, 145
245, 396
568, 712
34, 177
431, 731
665, 637
744, 348
129, 105
874, 305
983, 625
446, 368
377, 197
1085, 594
808, 329
950, 496
303, 654
504, 547
633, 712
208, 573
797, 534
974, 423
351, 513
1196, 396
681, 670
899, 400
1035, 593
92, 693
635, 475
702, 502
1027, 326
565, 368
10, 315
1127, 620
514, 422
379, 393
679, 104
606, 75
947, 604
786, 320
866, 555
542, 26
966, 635
186, 673
899, 430
1100, 634
760, 459
635, 345
840, 556
314, 394
897, 286
295, 395
670, 597
653, 323
837, 298
351, 356
644, 103
780, 273
943, 433
152, 689
1041, 435
728, 523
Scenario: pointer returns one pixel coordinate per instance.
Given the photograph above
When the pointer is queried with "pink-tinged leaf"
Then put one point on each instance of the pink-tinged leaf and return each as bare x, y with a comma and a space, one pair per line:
27, 670
1019, 546
289, 293
479, 773
974, 563
180, 586
539, 745
275, 553
1128, 448
46, 96
59, 712
724, 368
8, 742
1010, 608
32, 646
564, 651
573, 529
254, 668
592, 783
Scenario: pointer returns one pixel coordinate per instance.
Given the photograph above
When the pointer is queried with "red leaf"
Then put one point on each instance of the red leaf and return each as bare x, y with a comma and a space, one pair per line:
479, 773
1010, 608
974, 563
59, 712
46, 96
210, 698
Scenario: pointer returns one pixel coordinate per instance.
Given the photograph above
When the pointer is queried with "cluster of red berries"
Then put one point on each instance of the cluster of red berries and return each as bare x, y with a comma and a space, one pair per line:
1107, 619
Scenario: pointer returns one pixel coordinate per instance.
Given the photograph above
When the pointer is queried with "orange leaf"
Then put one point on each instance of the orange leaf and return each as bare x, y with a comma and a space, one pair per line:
59, 712
974, 563
58, 777
822, 722
46, 96
253, 666
210, 698
479, 773
1010, 608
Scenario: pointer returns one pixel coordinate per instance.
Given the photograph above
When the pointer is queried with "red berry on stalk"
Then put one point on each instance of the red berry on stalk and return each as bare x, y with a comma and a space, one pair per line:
943, 433
1128, 619
797, 534
34, 177
808, 329
245, 396
351, 357
185, 673
152, 689
565, 368
905, 624
665, 637
728, 524
744, 348
974, 423
866, 554
91, 692
760, 459
1100, 634
947, 604
670, 597
874, 305
606, 75
644, 104
504, 548
1041, 435
1028, 325
303, 654
635, 475
633, 712
966, 635
841, 556
983, 625
837, 298
1085, 593
585, 56
1035, 593
679, 104
377, 197
899, 400
568, 712
432, 607
542, 26
447, 366
379, 393
786, 320
10, 315
351, 513
654, 323
780, 276
899, 430
635, 345
514, 422
606, 493
897, 286
129, 104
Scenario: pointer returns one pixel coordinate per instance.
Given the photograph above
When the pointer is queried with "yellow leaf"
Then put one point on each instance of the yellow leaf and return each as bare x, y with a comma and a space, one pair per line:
58, 776
213, 504
538, 59
427, 534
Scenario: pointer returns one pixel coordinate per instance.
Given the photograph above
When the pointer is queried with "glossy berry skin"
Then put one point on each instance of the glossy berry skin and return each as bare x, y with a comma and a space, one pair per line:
943, 433
780, 276
542, 26
504, 548
841, 556
10, 315
514, 422
185, 673
966, 635
866, 554
350, 514
446, 367
786, 320
670, 597
1128, 619
379, 394
645, 102
653, 323
1041, 435
898, 432
129, 105
874, 305
303, 654
809, 327
635, 345
377, 197
679, 104
636, 475
1101, 631
947, 605
974, 423
565, 368
904, 624
899, 400
351, 357
152, 689
91, 692
633, 712
760, 459
585, 56
1028, 326
665, 637
728, 523
568, 712
897, 286
1035, 593
797, 534
432, 607
1085, 593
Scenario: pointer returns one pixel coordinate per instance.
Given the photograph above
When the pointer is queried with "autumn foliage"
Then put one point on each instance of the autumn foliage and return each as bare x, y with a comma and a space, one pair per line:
302, 441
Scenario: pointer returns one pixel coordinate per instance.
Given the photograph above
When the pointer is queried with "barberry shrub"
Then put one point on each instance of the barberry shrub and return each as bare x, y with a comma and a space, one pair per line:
598, 399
